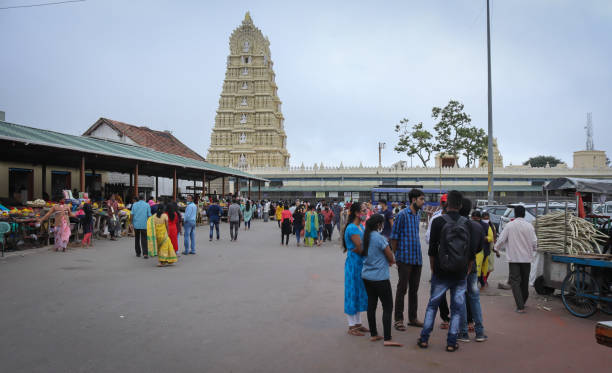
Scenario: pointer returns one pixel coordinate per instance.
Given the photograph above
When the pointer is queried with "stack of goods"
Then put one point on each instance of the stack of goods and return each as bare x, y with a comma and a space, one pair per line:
39, 203
582, 237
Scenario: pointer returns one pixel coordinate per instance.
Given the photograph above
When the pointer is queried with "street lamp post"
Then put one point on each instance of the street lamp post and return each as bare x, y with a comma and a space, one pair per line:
490, 154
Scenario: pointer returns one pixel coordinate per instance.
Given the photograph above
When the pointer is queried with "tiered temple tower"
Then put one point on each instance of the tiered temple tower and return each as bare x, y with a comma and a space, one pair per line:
249, 126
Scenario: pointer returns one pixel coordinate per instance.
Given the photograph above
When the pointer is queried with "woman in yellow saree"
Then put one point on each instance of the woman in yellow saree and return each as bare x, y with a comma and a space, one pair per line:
158, 242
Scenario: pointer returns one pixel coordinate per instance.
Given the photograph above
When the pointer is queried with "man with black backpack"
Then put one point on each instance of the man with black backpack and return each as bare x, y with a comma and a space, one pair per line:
450, 257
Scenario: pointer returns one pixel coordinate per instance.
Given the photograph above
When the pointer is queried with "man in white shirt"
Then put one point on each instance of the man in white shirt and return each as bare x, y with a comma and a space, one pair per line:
520, 241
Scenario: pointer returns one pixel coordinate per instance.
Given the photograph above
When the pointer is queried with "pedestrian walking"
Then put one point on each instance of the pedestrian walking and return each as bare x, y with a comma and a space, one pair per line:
355, 295
311, 227
388, 216
189, 224
520, 241
375, 274
286, 225
328, 216
472, 311
450, 258
141, 211
113, 217
248, 215
61, 231
214, 213
337, 210
406, 244
298, 223
234, 214
491, 238
87, 222
278, 213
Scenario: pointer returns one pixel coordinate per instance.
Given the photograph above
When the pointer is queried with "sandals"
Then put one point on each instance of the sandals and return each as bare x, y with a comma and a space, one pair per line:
399, 326
451, 348
422, 344
355, 332
362, 329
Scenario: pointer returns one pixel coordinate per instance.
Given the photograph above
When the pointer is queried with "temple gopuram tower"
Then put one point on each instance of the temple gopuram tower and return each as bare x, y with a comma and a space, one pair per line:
249, 126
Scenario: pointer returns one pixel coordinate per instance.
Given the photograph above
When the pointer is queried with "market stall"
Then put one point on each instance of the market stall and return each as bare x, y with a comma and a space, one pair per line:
572, 248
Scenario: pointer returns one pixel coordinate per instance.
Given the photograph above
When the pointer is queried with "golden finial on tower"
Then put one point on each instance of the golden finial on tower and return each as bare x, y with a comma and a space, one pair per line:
247, 18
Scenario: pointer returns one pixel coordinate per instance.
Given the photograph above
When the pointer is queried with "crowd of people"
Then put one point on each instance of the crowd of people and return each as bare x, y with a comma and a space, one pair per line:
462, 246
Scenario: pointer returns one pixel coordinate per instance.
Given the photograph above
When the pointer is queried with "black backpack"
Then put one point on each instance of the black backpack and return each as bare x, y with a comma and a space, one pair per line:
453, 254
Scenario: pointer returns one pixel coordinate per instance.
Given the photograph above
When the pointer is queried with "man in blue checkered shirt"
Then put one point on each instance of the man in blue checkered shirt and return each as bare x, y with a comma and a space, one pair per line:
406, 244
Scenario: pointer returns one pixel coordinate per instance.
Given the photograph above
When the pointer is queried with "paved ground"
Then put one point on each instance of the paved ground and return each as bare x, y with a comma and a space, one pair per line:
247, 306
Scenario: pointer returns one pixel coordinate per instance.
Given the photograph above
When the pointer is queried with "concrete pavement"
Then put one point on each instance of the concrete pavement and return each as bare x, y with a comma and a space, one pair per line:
249, 306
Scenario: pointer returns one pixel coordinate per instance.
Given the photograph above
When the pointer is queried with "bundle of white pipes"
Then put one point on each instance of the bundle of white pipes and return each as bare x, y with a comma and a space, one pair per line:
582, 236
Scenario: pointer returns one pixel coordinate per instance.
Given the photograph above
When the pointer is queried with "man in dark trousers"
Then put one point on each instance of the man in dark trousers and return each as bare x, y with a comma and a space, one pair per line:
520, 241
214, 212
450, 258
406, 244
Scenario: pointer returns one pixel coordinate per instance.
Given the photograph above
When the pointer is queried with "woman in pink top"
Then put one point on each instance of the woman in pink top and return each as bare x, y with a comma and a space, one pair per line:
286, 224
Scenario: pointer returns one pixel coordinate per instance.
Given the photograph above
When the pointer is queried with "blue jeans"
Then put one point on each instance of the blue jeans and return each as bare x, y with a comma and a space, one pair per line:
189, 228
473, 297
298, 233
215, 225
438, 290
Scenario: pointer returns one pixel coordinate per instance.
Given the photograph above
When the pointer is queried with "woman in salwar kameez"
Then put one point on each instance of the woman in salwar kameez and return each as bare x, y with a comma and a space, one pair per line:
158, 241
311, 227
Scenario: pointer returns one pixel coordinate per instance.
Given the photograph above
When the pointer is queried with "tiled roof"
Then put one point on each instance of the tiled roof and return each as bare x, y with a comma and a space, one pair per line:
92, 145
162, 141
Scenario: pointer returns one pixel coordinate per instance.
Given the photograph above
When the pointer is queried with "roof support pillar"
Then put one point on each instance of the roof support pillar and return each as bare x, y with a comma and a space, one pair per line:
249, 188
44, 180
223, 187
174, 186
259, 190
156, 188
203, 184
82, 174
136, 181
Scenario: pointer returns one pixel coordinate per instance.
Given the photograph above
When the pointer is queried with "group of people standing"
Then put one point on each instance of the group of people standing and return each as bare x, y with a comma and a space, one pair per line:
460, 258
314, 223
157, 228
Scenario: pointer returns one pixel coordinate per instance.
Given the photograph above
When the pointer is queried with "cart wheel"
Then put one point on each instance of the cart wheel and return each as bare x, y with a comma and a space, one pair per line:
576, 285
542, 289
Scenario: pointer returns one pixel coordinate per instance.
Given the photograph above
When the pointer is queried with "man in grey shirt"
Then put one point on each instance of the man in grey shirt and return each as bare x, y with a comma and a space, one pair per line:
234, 214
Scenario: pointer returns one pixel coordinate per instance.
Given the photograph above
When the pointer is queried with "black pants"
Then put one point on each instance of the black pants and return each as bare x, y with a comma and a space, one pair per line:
327, 232
519, 280
444, 311
409, 278
234, 225
140, 242
379, 290
285, 238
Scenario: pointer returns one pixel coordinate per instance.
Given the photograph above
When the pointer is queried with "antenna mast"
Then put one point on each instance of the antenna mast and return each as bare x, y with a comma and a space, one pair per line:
589, 132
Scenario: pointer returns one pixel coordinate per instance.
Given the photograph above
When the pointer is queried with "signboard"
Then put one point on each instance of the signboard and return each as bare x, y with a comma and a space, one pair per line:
320, 195
332, 194
347, 196
355, 196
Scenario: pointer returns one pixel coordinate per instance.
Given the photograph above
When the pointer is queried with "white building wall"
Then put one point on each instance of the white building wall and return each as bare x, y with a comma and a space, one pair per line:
104, 131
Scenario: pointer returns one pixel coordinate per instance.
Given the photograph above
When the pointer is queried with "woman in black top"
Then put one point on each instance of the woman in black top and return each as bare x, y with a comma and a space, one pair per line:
298, 223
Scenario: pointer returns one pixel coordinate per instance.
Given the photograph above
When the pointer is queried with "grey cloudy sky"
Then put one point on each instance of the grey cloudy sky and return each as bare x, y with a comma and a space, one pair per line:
347, 71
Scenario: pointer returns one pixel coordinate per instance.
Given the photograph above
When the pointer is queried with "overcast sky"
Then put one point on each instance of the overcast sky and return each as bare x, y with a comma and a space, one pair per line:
347, 72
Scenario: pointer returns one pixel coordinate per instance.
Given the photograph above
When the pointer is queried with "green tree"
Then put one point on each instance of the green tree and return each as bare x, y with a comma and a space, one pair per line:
474, 143
542, 160
414, 140
451, 127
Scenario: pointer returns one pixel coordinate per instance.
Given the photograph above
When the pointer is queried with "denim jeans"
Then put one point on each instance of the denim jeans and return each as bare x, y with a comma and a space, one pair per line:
214, 225
189, 228
298, 233
473, 298
438, 290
